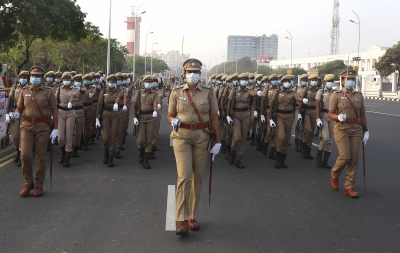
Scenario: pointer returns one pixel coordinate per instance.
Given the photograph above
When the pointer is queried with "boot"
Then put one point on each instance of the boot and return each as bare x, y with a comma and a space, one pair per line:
248, 136
19, 163
62, 157
308, 154
141, 156
118, 155
278, 161
67, 157
238, 163
81, 143
265, 148
304, 149
283, 158
325, 164
272, 153
16, 157
75, 152
153, 151
106, 156
231, 158
56, 141
297, 145
318, 158
146, 164
92, 136
223, 146
259, 144
86, 144
228, 150
111, 159
253, 137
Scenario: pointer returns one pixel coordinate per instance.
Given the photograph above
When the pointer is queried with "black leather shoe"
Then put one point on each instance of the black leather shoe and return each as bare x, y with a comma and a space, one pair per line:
318, 159
111, 159
272, 153
141, 156
238, 163
118, 155
231, 158
106, 156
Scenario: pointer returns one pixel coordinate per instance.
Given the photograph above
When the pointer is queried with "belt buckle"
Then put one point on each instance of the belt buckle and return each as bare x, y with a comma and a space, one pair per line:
192, 127
33, 120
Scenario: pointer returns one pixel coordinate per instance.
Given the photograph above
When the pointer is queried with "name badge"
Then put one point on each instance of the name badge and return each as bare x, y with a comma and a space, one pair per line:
106, 95
182, 98
27, 95
342, 97
143, 95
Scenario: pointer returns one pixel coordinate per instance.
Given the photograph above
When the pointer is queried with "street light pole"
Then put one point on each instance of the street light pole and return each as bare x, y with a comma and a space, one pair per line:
145, 49
358, 50
291, 48
151, 61
109, 43
224, 56
134, 45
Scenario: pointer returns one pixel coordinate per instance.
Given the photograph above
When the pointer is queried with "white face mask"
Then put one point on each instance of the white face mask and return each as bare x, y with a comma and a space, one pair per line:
192, 78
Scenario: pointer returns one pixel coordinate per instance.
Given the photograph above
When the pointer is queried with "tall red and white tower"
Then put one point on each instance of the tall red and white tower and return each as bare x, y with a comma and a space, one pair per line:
133, 32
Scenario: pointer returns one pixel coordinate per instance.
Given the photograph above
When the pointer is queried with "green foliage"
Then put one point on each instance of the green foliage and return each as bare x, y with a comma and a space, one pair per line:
389, 62
158, 65
332, 67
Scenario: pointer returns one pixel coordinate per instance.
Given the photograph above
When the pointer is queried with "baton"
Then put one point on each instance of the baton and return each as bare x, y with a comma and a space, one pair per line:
51, 163
363, 150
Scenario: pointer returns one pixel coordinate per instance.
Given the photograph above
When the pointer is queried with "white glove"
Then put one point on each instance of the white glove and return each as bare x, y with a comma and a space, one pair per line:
69, 106
53, 135
155, 114
94, 86
78, 88
215, 150
176, 122
341, 117
272, 123
115, 108
135, 121
255, 114
8, 120
218, 114
259, 93
90, 95
158, 107
125, 108
366, 137
319, 122
98, 123
299, 117
16, 115
230, 121
262, 118
305, 101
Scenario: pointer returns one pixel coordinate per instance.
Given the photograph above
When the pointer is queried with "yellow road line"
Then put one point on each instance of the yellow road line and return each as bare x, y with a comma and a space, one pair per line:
6, 162
4, 158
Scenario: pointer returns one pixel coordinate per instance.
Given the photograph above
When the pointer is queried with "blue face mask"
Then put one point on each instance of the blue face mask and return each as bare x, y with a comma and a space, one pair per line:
148, 85
36, 80
350, 84
58, 80
111, 85
235, 82
23, 81
66, 83
265, 84
155, 84
251, 80
78, 84
184, 80
258, 82
230, 84
314, 83
287, 85
49, 79
86, 82
244, 82
214, 81
274, 82
304, 83
218, 81
119, 82
223, 82
329, 85
279, 82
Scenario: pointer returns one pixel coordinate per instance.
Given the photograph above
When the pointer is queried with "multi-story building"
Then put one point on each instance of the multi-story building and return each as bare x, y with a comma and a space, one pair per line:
174, 61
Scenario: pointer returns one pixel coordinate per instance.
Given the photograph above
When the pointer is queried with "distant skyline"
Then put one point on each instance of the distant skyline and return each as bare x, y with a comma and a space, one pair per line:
206, 30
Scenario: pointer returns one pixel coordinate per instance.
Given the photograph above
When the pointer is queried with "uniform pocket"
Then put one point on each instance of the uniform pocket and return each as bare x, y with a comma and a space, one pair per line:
204, 107
183, 105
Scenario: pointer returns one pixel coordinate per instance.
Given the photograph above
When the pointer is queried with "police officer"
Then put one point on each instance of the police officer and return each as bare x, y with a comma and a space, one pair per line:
222, 119
232, 83
191, 141
123, 110
88, 108
347, 109
77, 105
145, 119
240, 102
37, 101
323, 121
159, 103
213, 81
299, 130
99, 85
50, 78
257, 110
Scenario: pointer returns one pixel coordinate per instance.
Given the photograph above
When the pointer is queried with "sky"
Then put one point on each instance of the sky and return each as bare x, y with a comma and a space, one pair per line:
207, 24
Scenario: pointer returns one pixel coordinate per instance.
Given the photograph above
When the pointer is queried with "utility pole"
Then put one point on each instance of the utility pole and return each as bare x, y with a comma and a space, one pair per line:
335, 29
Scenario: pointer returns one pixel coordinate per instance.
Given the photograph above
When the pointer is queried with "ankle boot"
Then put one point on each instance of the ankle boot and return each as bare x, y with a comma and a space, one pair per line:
265, 148
106, 156
141, 156
16, 157
111, 159
19, 163
308, 153
283, 158
117, 154
231, 158
258, 143
223, 146
67, 157
318, 158
253, 137
238, 163
92, 136
272, 153
86, 144
81, 143
228, 150
75, 152
62, 157
153, 151
146, 164
297, 145
278, 162
325, 164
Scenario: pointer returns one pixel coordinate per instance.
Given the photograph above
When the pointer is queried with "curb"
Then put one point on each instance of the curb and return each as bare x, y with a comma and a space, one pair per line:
387, 99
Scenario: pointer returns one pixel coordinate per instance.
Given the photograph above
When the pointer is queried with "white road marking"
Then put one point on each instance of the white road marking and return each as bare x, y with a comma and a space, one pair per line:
170, 224
388, 114
372, 105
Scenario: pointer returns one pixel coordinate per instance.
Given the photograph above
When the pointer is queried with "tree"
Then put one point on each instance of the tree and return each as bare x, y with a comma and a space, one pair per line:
389, 62
158, 65
332, 67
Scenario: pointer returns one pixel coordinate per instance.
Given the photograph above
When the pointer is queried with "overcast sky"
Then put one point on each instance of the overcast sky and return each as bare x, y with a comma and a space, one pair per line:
206, 24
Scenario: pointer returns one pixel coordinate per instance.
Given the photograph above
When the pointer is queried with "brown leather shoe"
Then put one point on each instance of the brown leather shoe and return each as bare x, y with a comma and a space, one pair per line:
183, 228
334, 183
38, 191
193, 224
28, 187
351, 193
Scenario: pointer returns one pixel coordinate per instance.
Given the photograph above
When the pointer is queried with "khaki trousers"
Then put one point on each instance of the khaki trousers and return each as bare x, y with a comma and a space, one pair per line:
284, 130
348, 139
89, 115
327, 133
229, 134
122, 129
34, 136
147, 125
267, 138
16, 132
79, 122
309, 127
94, 118
223, 130
109, 130
297, 134
156, 129
190, 148
66, 122
241, 124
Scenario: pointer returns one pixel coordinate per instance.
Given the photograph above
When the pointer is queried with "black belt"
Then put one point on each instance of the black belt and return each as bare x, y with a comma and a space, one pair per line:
285, 111
244, 109
63, 108
324, 110
108, 109
147, 112
77, 107
120, 106
87, 104
95, 101
309, 107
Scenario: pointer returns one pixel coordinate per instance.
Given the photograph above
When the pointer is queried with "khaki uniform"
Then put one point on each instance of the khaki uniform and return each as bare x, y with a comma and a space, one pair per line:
327, 124
95, 103
66, 117
110, 119
309, 119
122, 118
35, 135
299, 134
269, 93
158, 123
89, 111
79, 117
228, 129
190, 147
222, 91
348, 137
16, 123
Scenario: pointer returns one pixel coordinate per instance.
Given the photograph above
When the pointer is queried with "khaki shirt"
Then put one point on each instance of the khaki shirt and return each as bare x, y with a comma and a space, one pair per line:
242, 97
15, 90
310, 94
146, 100
79, 97
203, 98
285, 99
339, 104
65, 94
269, 91
110, 97
324, 95
44, 97
98, 90
89, 90
123, 92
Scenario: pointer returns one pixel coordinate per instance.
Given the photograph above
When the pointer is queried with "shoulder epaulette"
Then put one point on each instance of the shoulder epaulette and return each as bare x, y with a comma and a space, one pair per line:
338, 91
25, 87
177, 87
205, 86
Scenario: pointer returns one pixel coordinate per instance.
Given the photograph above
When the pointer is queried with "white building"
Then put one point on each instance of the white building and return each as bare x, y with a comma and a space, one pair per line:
369, 78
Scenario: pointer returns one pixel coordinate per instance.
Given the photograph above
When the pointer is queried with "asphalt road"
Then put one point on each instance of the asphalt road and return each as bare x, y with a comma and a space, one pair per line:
94, 208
